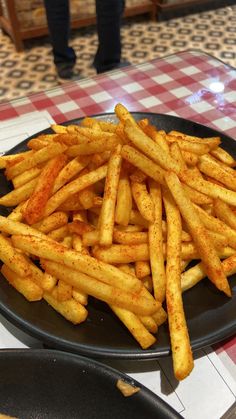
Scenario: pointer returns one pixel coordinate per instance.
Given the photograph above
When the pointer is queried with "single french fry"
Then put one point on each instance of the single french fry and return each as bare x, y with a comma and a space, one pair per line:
193, 147
17, 212
79, 296
225, 213
122, 253
210, 167
93, 133
59, 233
176, 154
130, 237
10, 226
196, 196
75, 260
64, 291
138, 176
143, 163
213, 142
70, 309
131, 228
195, 274
90, 238
179, 337
48, 282
70, 138
104, 125
44, 281
147, 321
59, 129
128, 268
155, 239
127, 253
67, 241
184, 264
190, 158
160, 315
5, 159
37, 202
104, 292
40, 156
98, 159
200, 236
73, 187
24, 285
41, 141
208, 188
217, 226
121, 133
185, 237
135, 326
123, 114
123, 200
91, 146
37, 144
137, 219
25, 177
218, 239
142, 268
80, 216
13, 259
157, 136
52, 222
18, 195
222, 155
147, 282
143, 200
107, 216
70, 170
80, 227
87, 196
72, 203
150, 148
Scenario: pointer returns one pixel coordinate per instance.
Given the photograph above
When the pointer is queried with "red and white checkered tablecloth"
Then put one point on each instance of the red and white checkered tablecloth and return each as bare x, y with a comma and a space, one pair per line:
190, 84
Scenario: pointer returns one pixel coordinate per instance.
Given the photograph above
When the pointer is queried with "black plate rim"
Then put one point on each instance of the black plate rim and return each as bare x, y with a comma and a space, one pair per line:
103, 370
99, 352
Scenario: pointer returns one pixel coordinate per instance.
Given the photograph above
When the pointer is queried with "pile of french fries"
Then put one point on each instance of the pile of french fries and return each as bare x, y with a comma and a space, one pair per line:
117, 211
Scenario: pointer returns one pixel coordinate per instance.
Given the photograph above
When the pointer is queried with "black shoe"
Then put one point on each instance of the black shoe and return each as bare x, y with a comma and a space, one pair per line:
123, 64
116, 66
68, 74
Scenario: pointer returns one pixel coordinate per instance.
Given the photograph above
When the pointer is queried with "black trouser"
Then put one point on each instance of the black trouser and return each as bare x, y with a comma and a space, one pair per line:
109, 14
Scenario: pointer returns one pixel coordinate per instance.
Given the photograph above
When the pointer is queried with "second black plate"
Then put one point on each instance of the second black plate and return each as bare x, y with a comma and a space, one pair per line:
40, 384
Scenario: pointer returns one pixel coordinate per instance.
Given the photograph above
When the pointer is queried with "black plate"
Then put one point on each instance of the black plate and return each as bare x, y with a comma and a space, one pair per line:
211, 316
51, 384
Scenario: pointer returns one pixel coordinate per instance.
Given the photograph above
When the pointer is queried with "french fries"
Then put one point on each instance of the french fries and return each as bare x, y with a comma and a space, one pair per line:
116, 211
107, 215
180, 344
37, 201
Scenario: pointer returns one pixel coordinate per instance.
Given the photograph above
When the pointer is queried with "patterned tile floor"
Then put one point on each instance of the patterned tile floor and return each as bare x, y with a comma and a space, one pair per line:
32, 70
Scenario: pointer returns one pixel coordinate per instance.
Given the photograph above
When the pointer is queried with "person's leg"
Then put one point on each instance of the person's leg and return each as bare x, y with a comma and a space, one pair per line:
58, 18
109, 15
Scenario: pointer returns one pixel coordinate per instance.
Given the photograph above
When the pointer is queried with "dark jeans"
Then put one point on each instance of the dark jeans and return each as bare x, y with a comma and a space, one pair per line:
109, 15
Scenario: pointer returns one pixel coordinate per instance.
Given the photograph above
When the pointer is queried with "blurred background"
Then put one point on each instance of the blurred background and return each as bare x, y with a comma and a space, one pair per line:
150, 29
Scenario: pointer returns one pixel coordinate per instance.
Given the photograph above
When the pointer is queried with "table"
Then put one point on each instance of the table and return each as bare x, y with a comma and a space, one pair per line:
190, 84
